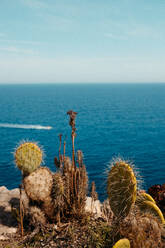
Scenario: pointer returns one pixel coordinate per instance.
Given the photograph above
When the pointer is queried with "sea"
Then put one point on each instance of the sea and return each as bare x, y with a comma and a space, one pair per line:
114, 121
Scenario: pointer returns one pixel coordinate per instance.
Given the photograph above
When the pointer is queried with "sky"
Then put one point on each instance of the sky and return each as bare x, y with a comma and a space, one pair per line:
72, 41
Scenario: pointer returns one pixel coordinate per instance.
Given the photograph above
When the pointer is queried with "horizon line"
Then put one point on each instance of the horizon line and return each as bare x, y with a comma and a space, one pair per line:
43, 83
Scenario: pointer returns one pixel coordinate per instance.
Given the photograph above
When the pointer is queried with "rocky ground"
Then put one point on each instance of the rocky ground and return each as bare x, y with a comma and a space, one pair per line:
8, 200
70, 234
93, 230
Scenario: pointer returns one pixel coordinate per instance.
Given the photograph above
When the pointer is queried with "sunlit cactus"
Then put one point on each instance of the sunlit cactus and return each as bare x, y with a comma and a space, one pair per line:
38, 185
121, 188
122, 243
141, 197
152, 208
28, 157
57, 195
58, 187
75, 187
142, 230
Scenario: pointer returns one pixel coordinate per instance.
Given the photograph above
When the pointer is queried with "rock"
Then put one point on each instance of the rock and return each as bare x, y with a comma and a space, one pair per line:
9, 199
93, 207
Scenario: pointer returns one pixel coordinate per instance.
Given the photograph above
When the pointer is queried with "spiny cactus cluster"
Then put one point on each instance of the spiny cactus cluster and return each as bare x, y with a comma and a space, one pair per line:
136, 216
137, 221
53, 195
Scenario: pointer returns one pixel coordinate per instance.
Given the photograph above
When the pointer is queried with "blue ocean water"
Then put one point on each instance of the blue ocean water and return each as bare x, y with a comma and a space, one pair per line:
126, 120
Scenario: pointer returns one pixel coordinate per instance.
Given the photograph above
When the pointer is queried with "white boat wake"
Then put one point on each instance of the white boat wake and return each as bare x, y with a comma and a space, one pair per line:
7, 125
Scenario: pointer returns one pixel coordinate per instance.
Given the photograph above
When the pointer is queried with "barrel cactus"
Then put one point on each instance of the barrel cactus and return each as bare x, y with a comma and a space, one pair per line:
122, 243
121, 188
28, 157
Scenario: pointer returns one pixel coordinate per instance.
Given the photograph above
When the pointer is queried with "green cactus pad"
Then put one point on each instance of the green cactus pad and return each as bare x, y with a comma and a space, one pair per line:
152, 208
122, 243
121, 188
28, 157
144, 197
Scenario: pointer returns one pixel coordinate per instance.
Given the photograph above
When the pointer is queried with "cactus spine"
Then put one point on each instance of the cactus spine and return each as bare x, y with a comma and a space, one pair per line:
122, 243
121, 188
28, 157
152, 208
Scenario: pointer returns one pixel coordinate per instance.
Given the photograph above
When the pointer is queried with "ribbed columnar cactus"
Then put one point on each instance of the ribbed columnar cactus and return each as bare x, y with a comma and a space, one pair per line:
28, 157
121, 188
58, 188
58, 195
122, 243
75, 187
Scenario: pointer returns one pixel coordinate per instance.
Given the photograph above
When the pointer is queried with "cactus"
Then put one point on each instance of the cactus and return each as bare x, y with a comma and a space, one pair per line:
28, 157
57, 189
38, 185
121, 188
57, 195
122, 243
144, 197
58, 186
141, 230
152, 208
37, 216
75, 187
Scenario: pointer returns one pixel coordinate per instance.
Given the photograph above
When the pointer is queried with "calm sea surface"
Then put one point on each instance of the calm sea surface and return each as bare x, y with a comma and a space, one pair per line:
126, 120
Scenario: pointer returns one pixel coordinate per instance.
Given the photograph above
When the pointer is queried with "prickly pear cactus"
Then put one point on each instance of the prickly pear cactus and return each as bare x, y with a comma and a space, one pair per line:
152, 208
122, 243
38, 185
141, 197
28, 157
121, 188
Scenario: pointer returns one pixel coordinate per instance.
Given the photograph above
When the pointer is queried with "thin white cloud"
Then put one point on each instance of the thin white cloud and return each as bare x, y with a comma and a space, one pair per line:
115, 37
21, 41
12, 49
35, 4
135, 31
144, 31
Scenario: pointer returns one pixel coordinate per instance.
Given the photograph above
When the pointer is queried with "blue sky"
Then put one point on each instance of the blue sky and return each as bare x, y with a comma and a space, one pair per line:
82, 41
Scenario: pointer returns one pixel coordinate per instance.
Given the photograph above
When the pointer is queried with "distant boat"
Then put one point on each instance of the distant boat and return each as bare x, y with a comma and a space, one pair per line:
8, 125
49, 127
